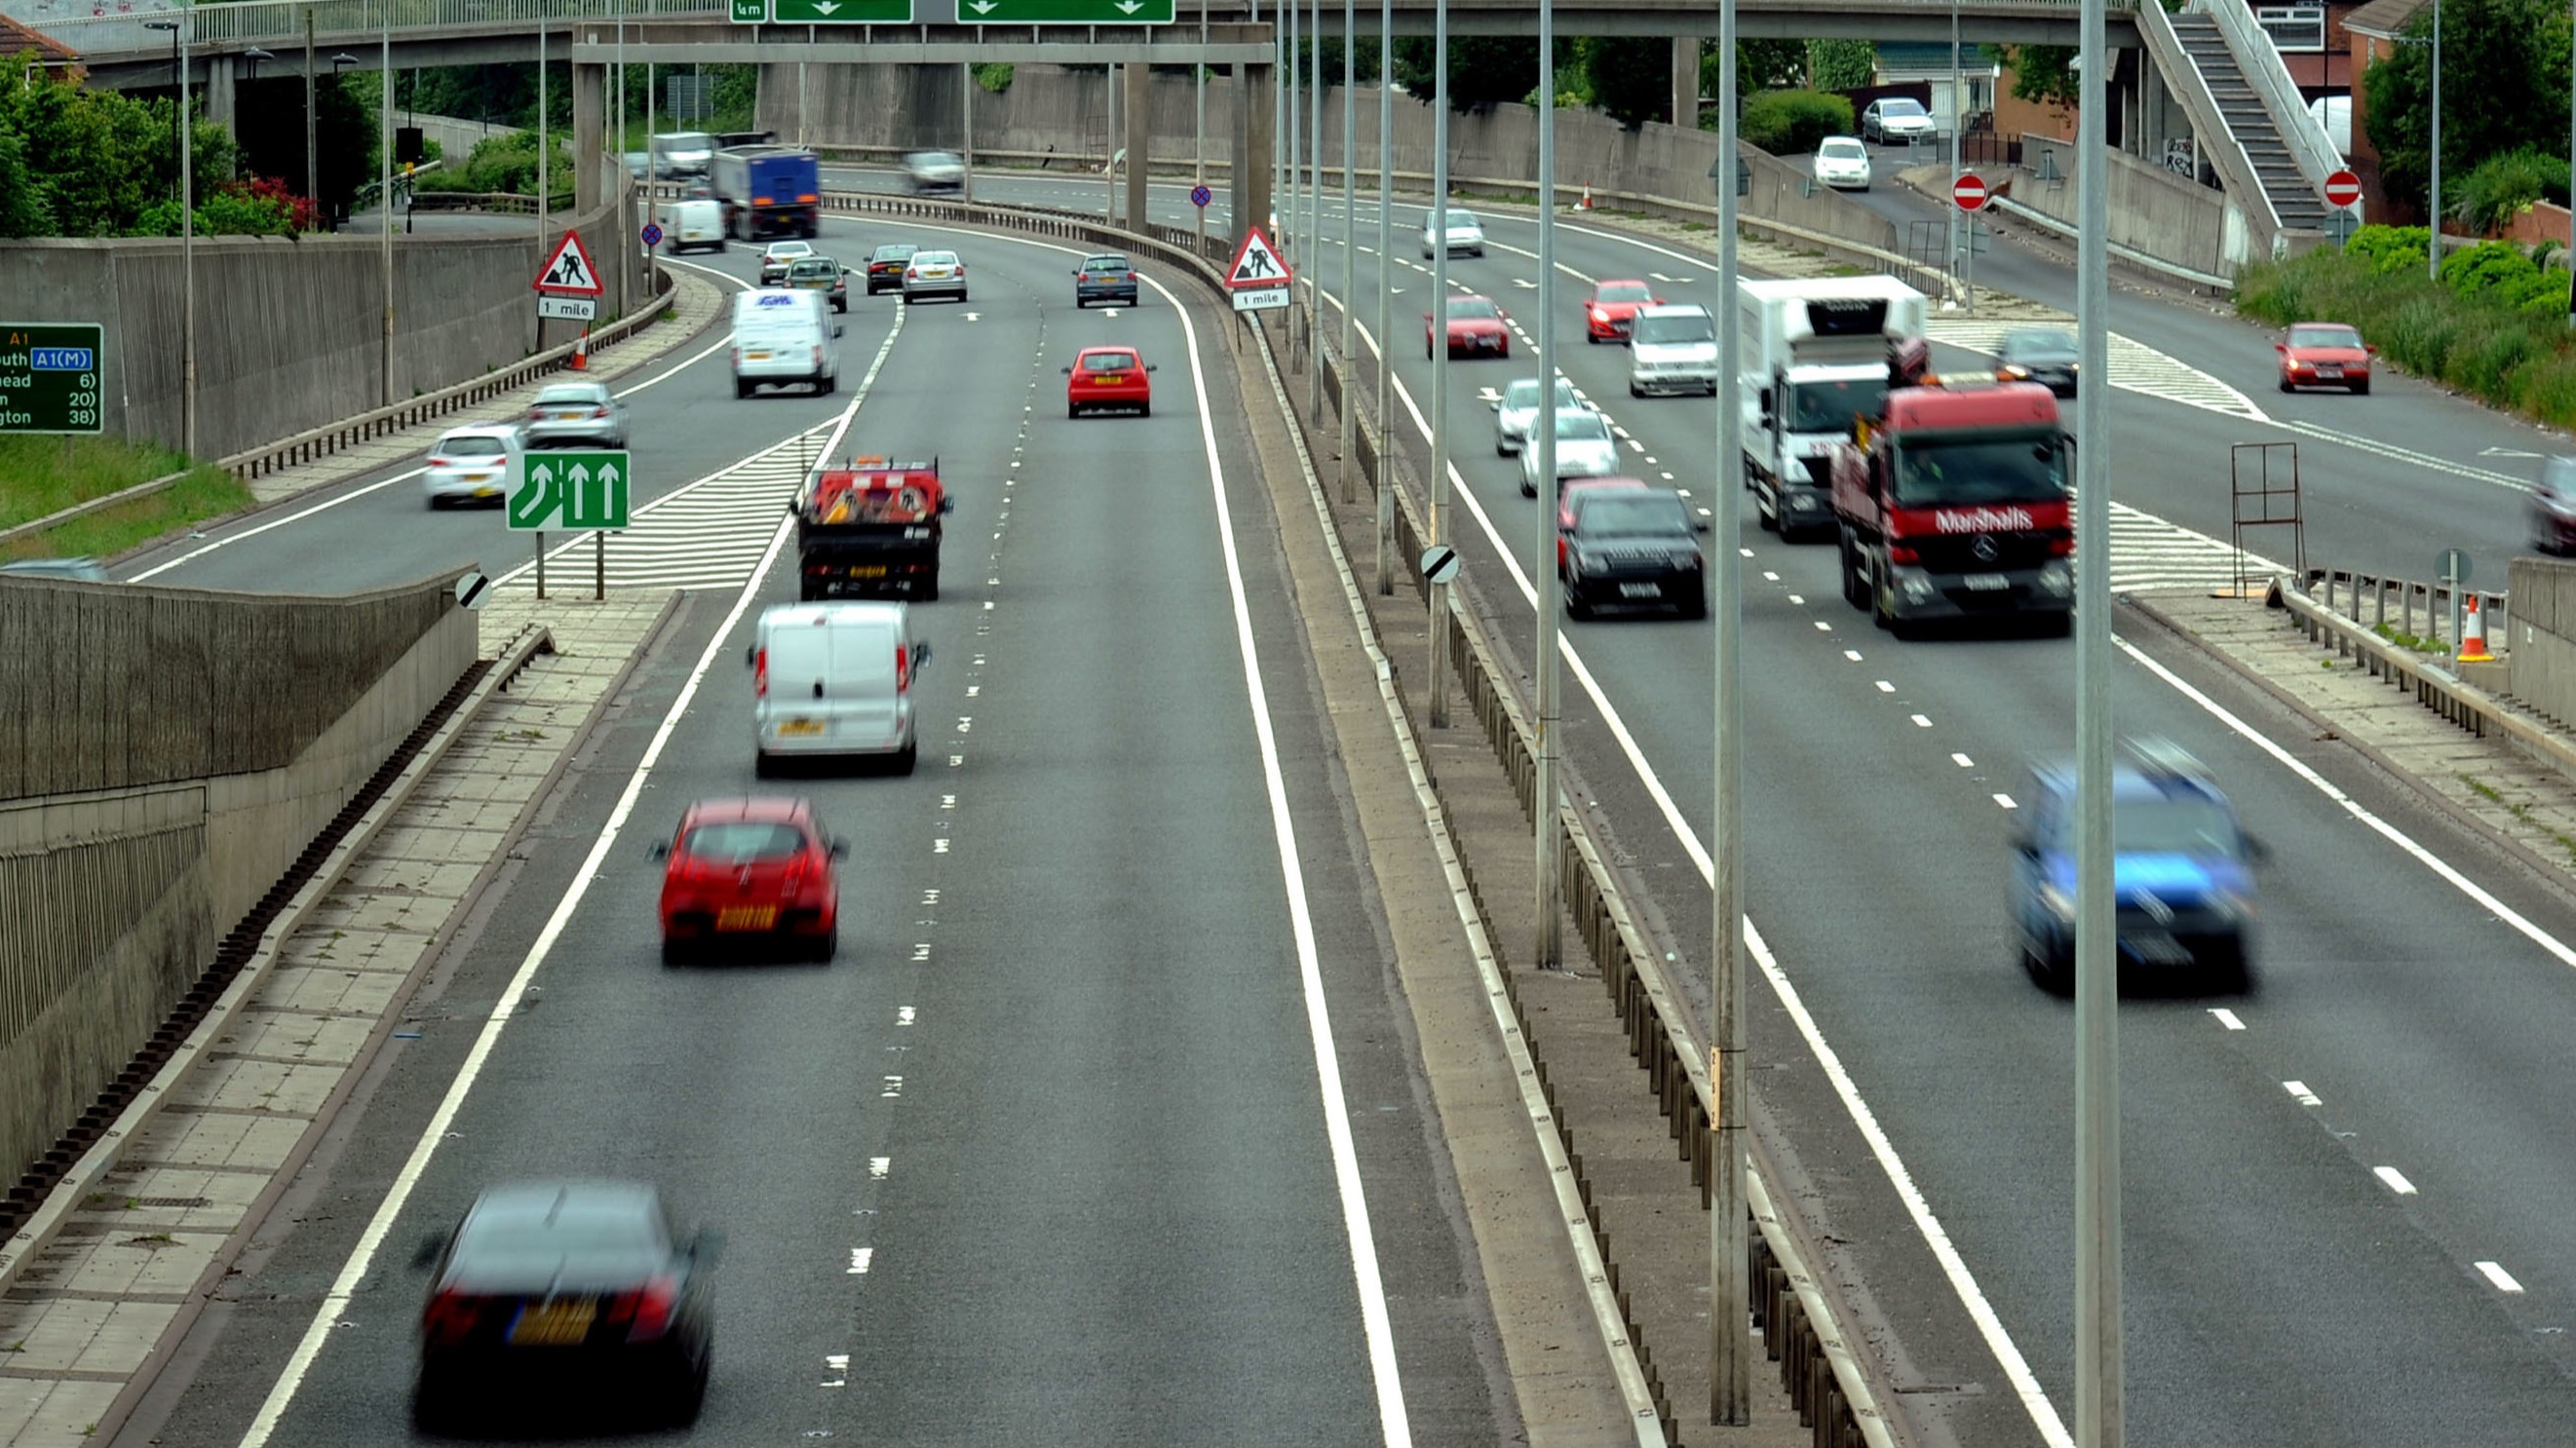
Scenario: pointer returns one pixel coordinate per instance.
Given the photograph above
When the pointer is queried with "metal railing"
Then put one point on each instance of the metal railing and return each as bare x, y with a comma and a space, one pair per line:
2225, 152
2369, 592
2261, 61
124, 33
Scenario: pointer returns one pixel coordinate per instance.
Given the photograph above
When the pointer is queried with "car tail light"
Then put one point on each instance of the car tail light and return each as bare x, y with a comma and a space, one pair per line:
1898, 553
818, 354
599, 412
807, 197
647, 1311
902, 669
448, 1318
760, 674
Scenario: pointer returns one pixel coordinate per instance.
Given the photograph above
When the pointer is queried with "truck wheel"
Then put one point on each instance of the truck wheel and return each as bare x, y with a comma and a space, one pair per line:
1767, 518
930, 589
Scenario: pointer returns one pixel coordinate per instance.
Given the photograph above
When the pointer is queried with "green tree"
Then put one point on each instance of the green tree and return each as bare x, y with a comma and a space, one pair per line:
1631, 77
2506, 61
1760, 65
1834, 65
2042, 74
1484, 70
24, 209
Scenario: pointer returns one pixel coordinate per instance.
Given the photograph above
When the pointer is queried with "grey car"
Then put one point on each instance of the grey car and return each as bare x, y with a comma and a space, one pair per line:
925, 171
84, 570
2043, 355
1518, 404
575, 414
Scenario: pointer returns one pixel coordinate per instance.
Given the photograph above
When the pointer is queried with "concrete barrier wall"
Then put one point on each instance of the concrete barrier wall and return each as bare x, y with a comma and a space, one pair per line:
2541, 652
114, 899
2152, 210
290, 331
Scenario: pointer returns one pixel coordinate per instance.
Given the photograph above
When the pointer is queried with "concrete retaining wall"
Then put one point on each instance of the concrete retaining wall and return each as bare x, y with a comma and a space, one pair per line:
114, 896
2152, 210
290, 332
2541, 651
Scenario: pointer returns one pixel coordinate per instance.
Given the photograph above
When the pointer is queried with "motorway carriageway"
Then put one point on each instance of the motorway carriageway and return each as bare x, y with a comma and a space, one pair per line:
1103, 1127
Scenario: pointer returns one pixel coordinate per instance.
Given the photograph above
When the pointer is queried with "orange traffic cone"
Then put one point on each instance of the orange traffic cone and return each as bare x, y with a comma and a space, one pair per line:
2473, 635
1586, 203
581, 352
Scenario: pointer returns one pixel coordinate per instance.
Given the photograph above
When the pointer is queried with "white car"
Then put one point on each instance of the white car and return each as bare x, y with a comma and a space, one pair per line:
1842, 162
933, 274
1463, 233
1672, 349
1584, 449
778, 256
1890, 119
1518, 404
473, 464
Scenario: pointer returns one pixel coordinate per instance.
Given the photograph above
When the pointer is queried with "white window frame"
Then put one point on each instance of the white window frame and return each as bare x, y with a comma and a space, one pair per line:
2294, 28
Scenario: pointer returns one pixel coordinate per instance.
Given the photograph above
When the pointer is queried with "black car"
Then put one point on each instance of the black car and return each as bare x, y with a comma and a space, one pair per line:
1107, 277
571, 1294
2038, 354
885, 266
1632, 548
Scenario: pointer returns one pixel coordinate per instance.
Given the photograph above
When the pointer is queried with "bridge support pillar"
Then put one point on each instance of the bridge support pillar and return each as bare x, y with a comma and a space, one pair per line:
1686, 82
1249, 188
589, 129
215, 102
1137, 107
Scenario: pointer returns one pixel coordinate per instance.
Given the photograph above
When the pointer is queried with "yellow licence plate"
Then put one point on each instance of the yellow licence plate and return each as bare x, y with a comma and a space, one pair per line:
747, 917
801, 726
866, 570
487, 492
755, 356
552, 1324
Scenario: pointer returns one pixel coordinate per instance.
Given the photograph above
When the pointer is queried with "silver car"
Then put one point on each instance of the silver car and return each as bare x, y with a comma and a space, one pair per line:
933, 274
473, 463
1584, 449
933, 171
777, 257
1518, 404
575, 414
1463, 233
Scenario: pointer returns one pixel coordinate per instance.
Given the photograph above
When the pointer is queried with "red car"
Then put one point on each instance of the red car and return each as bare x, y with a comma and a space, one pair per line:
750, 872
1108, 377
1476, 329
1613, 310
2325, 354
1573, 488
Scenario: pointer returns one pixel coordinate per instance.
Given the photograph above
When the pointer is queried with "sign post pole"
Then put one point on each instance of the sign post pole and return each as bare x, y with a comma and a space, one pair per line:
541, 564
1969, 191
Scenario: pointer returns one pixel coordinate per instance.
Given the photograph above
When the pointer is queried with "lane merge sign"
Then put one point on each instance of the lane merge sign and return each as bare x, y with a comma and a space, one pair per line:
571, 492
51, 376
1969, 191
568, 273
1259, 280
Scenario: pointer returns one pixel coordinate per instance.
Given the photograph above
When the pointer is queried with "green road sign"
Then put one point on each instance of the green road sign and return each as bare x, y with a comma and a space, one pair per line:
569, 492
750, 12
49, 376
841, 12
1063, 12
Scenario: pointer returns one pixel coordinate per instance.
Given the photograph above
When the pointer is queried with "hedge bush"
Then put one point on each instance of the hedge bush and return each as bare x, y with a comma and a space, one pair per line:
2494, 327
1790, 123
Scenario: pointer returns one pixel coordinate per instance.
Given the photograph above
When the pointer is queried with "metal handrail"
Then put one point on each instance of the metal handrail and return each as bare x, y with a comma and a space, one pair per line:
2261, 61
2218, 140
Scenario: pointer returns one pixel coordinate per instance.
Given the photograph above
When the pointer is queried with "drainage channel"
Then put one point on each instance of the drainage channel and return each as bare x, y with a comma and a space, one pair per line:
235, 951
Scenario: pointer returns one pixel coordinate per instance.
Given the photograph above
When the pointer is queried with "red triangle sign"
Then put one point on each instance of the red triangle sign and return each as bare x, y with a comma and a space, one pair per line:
1257, 264
568, 272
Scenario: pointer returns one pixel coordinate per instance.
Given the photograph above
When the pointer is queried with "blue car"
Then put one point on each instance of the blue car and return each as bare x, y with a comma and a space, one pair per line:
2182, 871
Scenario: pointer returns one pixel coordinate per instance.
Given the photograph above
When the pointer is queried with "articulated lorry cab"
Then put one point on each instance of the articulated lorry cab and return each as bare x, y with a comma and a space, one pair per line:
1952, 503
1814, 352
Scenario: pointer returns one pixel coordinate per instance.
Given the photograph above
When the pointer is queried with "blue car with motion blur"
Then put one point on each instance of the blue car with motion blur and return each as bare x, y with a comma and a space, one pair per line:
2182, 871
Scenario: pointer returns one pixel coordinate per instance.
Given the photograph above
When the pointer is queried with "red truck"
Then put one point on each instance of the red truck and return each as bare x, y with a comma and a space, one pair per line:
870, 529
1954, 503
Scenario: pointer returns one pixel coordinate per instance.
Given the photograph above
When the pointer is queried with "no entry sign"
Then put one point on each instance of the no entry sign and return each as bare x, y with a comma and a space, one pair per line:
1969, 191
2343, 189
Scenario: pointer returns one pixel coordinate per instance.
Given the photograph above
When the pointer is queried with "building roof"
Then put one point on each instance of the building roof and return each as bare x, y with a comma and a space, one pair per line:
1930, 57
2383, 19
16, 36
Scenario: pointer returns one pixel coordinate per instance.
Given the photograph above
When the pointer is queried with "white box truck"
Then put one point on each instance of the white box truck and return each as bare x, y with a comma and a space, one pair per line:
1815, 356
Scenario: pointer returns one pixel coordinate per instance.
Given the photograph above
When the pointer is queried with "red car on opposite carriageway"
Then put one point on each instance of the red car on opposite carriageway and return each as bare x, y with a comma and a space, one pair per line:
2325, 354
1477, 328
750, 873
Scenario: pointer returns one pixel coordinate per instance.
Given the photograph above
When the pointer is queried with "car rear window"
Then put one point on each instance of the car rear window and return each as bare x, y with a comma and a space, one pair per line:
895, 253
1108, 362
472, 445
741, 840
590, 392
934, 258
1462, 308
519, 1251
1107, 264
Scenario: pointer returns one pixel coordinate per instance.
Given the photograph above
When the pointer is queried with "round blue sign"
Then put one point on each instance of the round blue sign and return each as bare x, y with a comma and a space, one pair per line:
652, 234
1201, 196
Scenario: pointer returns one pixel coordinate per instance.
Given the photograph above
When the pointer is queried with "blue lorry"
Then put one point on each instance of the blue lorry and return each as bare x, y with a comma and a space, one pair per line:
767, 191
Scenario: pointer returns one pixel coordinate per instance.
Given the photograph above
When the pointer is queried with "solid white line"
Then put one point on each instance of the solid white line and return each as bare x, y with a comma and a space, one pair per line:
362, 1258
2430, 861
2496, 1274
2395, 1179
2227, 1018
2300, 1093
1393, 1427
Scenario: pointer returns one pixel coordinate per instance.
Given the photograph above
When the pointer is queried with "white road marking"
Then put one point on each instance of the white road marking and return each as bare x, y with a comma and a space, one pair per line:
2395, 1180
1963, 761
1886, 687
2006, 801
859, 1259
893, 1088
1799, 599
2496, 1274
1922, 721
939, 847
362, 1257
2227, 1018
878, 1166
905, 1015
1852, 654
2300, 1093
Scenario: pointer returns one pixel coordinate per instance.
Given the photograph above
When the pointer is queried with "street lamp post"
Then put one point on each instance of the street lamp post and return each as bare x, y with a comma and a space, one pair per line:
385, 188
1548, 949
312, 163
2433, 240
1385, 299
177, 26
312, 145
1436, 232
1350, 266
1729, 1276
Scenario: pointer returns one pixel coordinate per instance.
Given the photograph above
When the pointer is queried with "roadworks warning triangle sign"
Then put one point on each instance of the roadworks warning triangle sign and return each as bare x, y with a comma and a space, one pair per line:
1258, 263
569, 272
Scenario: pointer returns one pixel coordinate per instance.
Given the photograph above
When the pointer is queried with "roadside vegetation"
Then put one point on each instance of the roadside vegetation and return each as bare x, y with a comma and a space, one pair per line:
82, 162
2494, 327
41, 475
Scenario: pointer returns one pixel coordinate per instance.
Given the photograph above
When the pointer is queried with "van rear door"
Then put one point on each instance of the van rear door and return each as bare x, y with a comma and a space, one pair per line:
864, 685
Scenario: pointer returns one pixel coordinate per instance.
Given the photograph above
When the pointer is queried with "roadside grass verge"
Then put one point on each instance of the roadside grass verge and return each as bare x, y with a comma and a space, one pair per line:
40, 475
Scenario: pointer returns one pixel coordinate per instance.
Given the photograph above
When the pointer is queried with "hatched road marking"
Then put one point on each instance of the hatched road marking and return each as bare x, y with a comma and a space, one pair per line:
2135, 367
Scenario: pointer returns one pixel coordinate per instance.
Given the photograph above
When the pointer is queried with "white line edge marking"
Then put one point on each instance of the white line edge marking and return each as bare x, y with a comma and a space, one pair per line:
337, 499
2227, 1018
2394, 1179
362, 1257
2395, 836
2300, 1093
1379, 1329
2495, 1273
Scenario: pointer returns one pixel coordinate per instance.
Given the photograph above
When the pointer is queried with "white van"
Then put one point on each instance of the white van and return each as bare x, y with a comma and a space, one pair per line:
835, 680
682, 153
1672, 349
693, 223
784, 336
